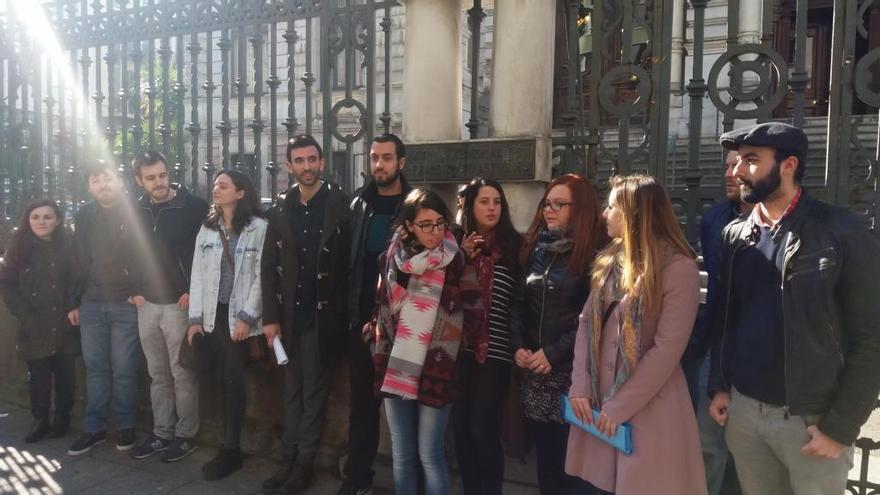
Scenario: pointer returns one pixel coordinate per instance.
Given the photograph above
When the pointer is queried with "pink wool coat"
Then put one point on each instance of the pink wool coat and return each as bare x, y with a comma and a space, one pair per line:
667, 459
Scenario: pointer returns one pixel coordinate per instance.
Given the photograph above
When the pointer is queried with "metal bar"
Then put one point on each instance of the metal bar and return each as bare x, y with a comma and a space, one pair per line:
257, 124
799, 78
165, 127
85, 62
328, 63
36, 134
194, 48
291, 37
475, 19
137, 127
124, 95
49, 168
732, 40
624, 160
369, 54
840, 102
571, 117
386, 28
661, 42
273, 82
151, 95
209, 88
697, 90
110, 127
594, 140
179, 89
308, 77
241, 86
224, 126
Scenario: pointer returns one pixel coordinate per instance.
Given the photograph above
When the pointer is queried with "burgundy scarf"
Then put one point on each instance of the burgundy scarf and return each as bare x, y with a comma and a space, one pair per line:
484, 267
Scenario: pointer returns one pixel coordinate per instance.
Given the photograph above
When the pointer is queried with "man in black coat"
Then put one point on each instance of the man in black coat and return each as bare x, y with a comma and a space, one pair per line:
304, 274
170, 220
373, 210
796, 358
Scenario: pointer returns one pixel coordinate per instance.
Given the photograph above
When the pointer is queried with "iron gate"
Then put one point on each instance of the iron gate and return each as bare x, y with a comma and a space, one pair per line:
212, 83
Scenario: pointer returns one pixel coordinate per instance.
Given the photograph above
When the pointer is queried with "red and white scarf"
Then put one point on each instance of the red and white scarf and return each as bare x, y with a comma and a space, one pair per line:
416, 306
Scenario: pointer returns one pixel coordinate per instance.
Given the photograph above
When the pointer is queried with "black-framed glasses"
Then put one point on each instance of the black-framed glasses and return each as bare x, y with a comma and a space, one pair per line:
554, 205
430, 227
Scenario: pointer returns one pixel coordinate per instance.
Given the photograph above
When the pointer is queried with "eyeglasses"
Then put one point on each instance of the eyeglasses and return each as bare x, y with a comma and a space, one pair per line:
430, 227
554, 205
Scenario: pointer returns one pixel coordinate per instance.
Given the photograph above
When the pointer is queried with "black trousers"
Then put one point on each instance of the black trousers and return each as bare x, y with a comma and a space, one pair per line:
476, 420
41, 373
232, 356
363, 430
551, 444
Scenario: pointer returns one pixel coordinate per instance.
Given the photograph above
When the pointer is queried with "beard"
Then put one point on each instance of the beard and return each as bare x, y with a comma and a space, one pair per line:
759, 190
306, 178
388, 180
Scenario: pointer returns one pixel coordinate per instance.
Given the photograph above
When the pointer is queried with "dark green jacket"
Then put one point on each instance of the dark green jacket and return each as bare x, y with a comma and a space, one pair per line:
35, 292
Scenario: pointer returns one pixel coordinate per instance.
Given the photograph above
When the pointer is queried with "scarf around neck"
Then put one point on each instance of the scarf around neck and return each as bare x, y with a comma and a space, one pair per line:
483, 265
629, 326
416, 307
554, 240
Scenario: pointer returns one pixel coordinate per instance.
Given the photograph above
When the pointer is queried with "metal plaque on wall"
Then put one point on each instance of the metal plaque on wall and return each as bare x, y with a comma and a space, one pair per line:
457, 162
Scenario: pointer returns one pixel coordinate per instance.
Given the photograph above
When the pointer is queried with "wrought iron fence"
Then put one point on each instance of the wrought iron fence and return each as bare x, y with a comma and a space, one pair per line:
212, 83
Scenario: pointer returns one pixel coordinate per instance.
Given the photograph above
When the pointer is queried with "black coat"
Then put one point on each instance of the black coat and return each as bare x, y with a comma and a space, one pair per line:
170, 239
35, 291
280, 264
831, 317
545, 307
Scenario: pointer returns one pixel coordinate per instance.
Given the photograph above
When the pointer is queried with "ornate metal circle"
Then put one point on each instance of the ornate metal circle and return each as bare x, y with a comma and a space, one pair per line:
771, 70
361, 119
607, 90
863, 78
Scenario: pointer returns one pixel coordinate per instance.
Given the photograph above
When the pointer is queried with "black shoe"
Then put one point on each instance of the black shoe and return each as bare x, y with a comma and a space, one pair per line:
300, 479
149, 447
179, 448
349, 487
86, 442
273, 484
38, 430
60, 425
226, 462
125, 440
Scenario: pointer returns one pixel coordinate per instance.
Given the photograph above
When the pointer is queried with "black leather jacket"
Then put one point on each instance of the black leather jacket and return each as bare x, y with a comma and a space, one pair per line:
831, 315
361, 211
545, 308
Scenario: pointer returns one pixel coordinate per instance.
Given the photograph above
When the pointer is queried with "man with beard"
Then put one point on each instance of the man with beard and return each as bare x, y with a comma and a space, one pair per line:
304, 271
796, 359
106, 281
373, 211
170, 219
695, 362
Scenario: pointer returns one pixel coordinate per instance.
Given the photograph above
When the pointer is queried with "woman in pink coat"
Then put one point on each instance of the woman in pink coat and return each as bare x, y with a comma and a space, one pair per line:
645, 288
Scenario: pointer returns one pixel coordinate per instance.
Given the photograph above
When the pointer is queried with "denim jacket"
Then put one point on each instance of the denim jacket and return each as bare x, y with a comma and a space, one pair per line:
246, 301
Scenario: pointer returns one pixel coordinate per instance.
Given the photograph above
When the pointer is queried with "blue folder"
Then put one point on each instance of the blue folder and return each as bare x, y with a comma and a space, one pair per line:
622, 440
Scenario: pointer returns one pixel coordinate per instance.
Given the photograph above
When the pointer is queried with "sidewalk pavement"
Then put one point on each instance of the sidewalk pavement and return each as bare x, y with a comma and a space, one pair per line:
44, 467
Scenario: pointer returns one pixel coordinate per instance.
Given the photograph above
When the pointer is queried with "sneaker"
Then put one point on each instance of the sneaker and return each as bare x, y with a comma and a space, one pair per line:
349, 487
125, 440
86, 442
149, 447
179, 448
226, 462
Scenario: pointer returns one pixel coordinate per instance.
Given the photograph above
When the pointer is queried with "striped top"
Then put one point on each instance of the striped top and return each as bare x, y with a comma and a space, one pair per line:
499, 328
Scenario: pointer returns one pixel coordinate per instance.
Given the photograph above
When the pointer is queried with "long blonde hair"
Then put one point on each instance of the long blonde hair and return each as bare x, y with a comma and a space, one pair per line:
649, 234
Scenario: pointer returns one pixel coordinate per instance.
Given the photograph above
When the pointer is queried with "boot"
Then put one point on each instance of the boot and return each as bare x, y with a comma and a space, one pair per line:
60, 425
272, 484
38, 430
222, 465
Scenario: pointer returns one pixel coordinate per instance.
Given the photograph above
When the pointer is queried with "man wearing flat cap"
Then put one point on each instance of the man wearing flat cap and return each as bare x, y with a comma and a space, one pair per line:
796, 355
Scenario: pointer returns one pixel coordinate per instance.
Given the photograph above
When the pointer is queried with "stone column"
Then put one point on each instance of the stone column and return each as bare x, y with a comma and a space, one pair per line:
677, 59
432, 76
521, 99
750, 19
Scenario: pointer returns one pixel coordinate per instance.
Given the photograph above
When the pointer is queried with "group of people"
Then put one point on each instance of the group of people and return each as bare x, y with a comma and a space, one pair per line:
437, 317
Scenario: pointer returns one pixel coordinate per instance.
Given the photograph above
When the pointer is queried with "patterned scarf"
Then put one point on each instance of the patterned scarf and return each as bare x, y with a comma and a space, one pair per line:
483, 265
630, 328
416, 307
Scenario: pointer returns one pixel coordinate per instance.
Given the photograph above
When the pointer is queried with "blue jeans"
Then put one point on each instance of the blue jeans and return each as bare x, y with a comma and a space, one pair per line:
417, 435
111, 352
711, 435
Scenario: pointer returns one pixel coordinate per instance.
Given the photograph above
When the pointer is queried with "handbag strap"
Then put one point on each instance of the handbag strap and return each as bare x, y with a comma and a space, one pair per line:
226, 254
607, 315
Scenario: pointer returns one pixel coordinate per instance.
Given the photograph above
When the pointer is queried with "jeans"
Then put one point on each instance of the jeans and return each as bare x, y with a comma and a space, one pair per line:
363, 429
766, 443
111, 353
231, 359
476, 420
306, 387
417, 434
715, 453
41, 373
174, 390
